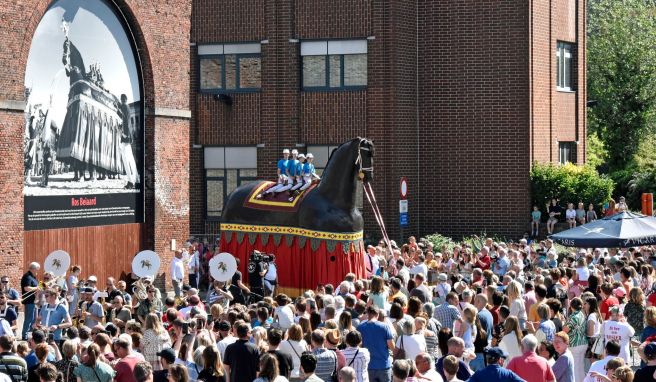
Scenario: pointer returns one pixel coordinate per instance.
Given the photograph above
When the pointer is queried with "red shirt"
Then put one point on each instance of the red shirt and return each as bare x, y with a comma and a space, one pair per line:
606, 305
532, 368
652, 299
495, 314
486, 261
125, 368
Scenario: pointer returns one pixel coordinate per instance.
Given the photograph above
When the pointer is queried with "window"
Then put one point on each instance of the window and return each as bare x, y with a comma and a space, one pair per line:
321, 156
566, 152
564, 66
334, 65
229, 68
226, 168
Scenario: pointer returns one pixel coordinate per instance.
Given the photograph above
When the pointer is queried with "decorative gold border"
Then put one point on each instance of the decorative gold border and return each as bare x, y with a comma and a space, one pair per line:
253, 199
248, 228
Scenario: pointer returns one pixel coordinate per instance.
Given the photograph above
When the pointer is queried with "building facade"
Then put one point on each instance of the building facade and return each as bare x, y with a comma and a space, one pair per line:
109, 61
460, 98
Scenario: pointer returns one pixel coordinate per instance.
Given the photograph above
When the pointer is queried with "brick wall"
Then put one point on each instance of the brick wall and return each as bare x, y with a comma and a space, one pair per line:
460, 100
474, 113
161, 31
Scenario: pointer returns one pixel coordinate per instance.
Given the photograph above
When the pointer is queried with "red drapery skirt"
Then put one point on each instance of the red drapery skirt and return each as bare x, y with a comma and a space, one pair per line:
300, 268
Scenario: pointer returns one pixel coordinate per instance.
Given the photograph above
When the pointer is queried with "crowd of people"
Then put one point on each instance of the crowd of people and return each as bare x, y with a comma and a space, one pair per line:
571, 215
517, 311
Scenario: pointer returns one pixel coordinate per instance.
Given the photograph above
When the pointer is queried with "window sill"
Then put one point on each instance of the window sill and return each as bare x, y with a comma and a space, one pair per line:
332, 90
564, 90
230, 92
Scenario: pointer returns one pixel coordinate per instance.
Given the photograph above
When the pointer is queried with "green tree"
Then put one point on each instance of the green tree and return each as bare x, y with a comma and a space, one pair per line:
570, 184
621, 75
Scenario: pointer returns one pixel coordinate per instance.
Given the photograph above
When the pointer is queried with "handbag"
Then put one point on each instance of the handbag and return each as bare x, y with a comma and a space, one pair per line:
595, 347
598, 346
399, 353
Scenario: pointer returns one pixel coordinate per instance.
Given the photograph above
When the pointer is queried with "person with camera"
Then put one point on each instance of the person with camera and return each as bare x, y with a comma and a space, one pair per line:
257, 268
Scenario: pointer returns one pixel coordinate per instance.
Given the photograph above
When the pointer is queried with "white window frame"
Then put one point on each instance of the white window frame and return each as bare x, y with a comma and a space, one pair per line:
564, 65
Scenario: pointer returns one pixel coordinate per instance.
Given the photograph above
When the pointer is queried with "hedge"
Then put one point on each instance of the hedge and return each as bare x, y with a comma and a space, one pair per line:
570, 184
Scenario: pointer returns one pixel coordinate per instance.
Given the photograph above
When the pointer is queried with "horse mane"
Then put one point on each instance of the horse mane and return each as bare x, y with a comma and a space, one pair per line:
338, 147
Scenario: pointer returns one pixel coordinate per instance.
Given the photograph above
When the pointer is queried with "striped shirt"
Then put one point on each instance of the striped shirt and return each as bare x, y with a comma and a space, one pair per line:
358, 359
326, 363
14, 366
577, 329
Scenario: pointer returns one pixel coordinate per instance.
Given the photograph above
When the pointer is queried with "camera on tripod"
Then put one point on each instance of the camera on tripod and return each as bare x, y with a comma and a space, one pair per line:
257, 257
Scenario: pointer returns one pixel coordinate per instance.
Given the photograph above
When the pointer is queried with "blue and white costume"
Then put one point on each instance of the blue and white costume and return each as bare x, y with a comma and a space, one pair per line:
309, 172
282, 173
290, 172
299, 172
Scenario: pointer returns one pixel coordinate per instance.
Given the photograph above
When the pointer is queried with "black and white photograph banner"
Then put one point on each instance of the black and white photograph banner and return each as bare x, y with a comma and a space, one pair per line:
84, 135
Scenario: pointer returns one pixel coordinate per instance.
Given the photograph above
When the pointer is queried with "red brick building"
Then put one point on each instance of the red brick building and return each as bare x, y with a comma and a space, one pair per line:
459, 97
159, 33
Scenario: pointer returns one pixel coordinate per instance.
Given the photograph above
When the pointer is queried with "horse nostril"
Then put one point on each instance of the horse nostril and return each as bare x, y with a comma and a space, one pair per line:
332, 258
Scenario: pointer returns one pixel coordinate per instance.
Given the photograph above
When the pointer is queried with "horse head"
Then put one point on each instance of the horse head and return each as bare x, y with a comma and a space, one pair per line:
365, 160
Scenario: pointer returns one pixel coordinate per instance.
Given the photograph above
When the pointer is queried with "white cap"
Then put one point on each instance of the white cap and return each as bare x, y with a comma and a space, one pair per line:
92, 278
285, 151
309, 155
294, 151
301, 155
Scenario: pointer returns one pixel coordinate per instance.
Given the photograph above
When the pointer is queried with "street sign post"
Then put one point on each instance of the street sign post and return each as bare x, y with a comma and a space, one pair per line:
403, 204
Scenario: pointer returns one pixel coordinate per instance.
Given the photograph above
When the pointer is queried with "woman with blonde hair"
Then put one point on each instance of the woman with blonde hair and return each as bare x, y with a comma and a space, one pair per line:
69, 362
650, 324
430, 337
212, 366
260, 339
155, 339
511, 342
467, 331
516, 303
294, 346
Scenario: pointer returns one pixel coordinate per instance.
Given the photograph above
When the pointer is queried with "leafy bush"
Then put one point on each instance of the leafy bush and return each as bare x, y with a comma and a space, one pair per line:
596, 152
570, 184
440, 241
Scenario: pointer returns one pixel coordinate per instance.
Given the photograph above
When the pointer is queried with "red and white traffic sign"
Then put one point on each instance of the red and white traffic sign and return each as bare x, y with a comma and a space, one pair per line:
404, 187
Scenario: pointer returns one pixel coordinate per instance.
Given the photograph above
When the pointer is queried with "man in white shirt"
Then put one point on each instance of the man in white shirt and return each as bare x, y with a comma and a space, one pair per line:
194, 265
5, 328
284, 312
421, 267
426, 367
404, 273
612, 351
617, 329
177, 273
226, 337
371, 262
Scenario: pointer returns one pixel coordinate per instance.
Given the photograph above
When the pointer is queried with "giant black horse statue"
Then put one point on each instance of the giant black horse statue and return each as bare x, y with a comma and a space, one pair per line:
329, 207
